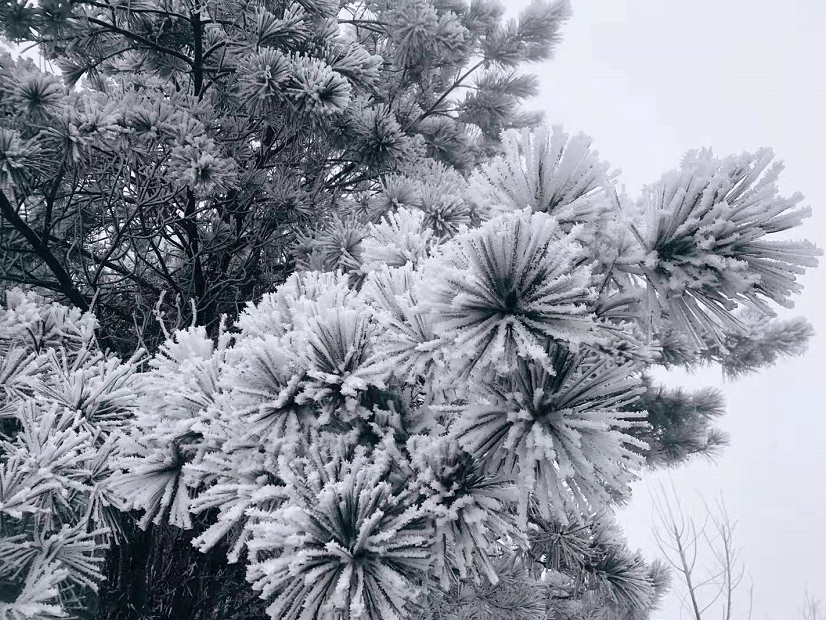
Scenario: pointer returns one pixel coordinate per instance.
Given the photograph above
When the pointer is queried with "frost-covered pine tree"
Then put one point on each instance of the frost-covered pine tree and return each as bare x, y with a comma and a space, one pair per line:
436, 414
63, 405
440, 426
170, 154
438, 422
174, 150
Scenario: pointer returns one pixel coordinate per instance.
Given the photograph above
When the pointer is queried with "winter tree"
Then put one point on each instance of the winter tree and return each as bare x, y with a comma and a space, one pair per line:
710, 575
174, 151
399, 334
443, 428
172, 154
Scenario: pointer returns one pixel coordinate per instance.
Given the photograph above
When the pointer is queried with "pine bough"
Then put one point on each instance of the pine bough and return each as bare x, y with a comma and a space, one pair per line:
433, 422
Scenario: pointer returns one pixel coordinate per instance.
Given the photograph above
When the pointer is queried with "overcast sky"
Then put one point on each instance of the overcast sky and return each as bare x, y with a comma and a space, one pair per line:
648, 80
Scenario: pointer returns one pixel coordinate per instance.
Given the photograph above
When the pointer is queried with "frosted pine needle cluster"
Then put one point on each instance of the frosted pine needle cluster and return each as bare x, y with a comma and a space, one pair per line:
413, 415
63, 407
398, 333
705, 234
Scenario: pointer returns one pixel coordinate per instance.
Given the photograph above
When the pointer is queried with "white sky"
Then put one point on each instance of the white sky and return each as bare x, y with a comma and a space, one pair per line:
648, 80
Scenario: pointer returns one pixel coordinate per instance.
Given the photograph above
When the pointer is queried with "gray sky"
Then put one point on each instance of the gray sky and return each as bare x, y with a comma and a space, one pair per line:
648, 80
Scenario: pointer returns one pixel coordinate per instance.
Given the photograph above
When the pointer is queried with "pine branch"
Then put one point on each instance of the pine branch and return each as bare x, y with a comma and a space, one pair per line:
41, 248
435, 105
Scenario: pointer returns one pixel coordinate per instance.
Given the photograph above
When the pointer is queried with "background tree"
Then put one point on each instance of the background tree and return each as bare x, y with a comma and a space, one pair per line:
813, 609
707, 588
706, 560
206, 137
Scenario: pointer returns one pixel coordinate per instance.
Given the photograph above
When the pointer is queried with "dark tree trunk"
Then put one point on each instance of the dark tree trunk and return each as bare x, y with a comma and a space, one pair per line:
159, 575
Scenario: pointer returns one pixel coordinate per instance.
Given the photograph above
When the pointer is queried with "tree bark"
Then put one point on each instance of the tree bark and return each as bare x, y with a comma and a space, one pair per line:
41, 248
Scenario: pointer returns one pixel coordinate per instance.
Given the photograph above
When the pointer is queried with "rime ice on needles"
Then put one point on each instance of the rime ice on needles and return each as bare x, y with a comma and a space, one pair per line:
263, 385
416, 32
17, 158
245, 487
547, 171
315, 89
706, 232
399, 238
263, 76
378, 140
335, 356
62, 403
155, 481
471, 509
351, 60
349, 541
337, 245
288, 30
396, 192
499, 292
38, 94
408, 347
588, 552
296, 300
236, 105
98, 388
182, 381
29, 322
408, 420
192, 164
39, 597
70, 547
559, 433
445, 215
760, 344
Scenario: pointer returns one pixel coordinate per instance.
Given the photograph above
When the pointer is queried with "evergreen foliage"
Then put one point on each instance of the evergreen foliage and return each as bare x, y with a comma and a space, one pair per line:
403, 370
63, 406
207, 138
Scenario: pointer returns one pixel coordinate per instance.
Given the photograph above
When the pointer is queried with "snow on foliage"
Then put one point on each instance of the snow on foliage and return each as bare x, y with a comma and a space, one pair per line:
263, 383
420, 412
457, 370
29, 322
349, 540
408, 348
400, 238
546, 170
470, 509
705, 230
499, 292
559, 432
63, 404
293, 302
39, 595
